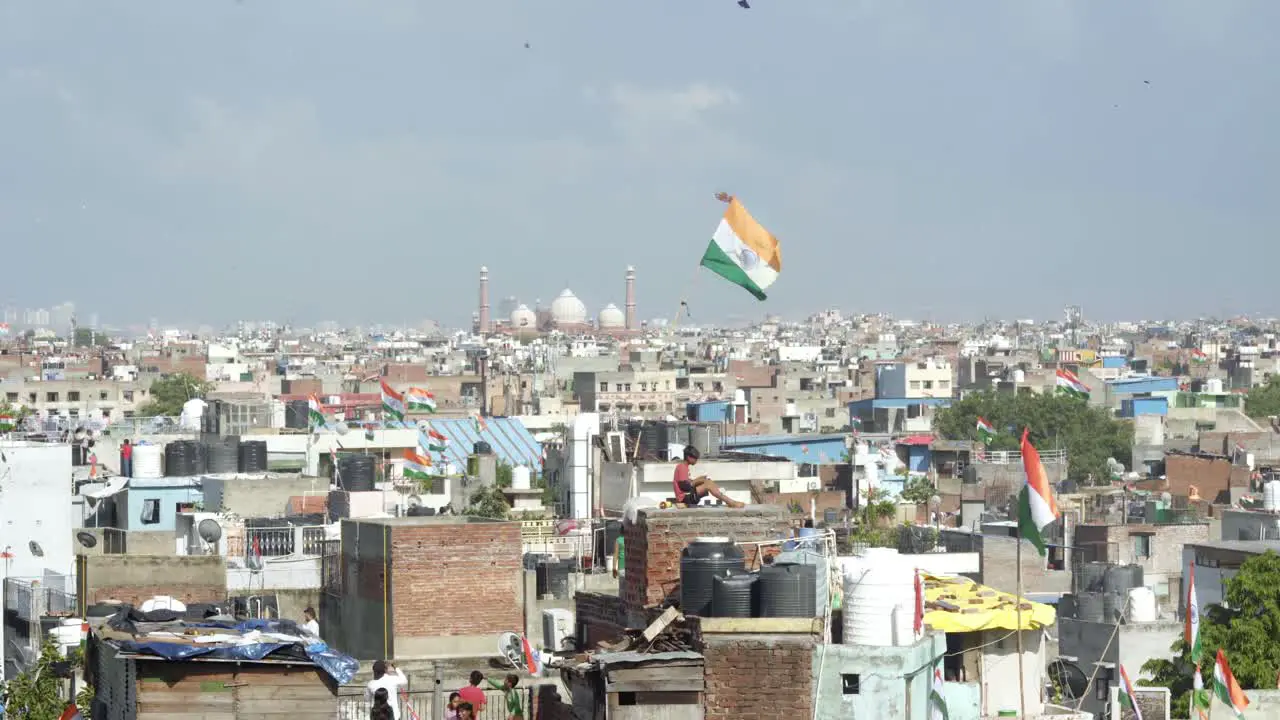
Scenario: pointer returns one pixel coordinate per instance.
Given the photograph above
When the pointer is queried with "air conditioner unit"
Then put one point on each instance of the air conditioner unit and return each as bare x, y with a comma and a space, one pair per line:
557, 629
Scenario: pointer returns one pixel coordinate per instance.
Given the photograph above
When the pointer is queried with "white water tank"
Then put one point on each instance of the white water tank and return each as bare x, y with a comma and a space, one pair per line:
1019, 376
1271, 496
68, 633
520, 478
1142, 604
192, 411
879, 599
1213, 386
739, 397
148, 461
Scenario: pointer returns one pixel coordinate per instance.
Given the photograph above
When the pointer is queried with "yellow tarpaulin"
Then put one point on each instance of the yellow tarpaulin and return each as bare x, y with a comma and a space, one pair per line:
962, 605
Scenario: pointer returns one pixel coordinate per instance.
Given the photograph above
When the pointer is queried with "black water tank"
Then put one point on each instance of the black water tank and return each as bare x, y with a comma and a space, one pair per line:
1092, 577
701, 562
253, 456
788, 590
224, 455
558, 578
733, 595
179, 460
77, 455
481, 448
297, 415
356, 472
1089, 606
200, 452
540, 579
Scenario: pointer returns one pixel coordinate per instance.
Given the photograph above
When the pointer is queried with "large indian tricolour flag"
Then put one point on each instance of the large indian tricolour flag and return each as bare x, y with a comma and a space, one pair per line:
743, 252
1036, 507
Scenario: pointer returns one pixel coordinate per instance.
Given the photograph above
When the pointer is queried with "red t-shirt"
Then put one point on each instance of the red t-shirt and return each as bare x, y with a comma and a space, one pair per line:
126, 452
681, 476
475, 696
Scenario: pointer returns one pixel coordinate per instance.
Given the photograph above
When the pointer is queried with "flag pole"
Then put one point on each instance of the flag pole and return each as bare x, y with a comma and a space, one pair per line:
683, 307
1022, 693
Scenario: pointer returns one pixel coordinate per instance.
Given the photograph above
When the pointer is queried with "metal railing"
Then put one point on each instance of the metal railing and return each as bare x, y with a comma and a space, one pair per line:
1014, 457
143, 426
29, 599
114, 541
419, 701
278, 541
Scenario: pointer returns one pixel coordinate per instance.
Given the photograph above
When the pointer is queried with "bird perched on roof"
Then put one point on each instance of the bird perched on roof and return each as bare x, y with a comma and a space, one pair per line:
744, 4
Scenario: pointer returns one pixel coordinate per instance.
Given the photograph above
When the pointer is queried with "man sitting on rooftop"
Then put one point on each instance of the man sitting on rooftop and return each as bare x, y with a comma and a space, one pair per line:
689, 490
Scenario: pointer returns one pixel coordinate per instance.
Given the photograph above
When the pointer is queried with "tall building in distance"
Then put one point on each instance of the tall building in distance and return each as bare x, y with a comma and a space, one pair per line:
631, 298
61, 316
484, 299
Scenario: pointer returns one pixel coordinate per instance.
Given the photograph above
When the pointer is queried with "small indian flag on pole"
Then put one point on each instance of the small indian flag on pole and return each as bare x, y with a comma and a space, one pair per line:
392, 403
481, 425
435, 441
1191, 631
1070, 384
315, 412
1036, 507
1226, 687
1127, 698
742, 251
937, 696
417, 465
420, 400
986, 431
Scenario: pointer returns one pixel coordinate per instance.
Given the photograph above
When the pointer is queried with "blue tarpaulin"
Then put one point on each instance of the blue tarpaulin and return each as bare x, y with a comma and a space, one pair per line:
340, 667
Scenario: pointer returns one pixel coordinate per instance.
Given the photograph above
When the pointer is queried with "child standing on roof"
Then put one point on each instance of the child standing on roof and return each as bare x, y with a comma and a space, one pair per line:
511, 696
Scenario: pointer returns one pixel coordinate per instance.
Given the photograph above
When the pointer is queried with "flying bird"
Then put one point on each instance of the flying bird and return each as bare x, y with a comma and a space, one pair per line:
526, 46
744, 4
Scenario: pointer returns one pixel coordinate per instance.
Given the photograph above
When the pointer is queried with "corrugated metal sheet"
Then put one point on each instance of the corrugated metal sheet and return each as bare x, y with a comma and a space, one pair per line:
510, 439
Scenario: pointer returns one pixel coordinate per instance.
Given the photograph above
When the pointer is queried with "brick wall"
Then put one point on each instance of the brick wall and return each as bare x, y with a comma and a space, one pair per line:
135, 578
454, 577
598, 616
655, 540
999, 567
758, 676
1211, 476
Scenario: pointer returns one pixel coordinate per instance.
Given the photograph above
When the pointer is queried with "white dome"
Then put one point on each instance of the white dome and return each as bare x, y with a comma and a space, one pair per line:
611, 317
567, 309
522, 317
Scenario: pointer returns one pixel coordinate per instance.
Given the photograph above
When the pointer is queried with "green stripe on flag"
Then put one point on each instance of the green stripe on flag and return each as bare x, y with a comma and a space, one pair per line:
726, 267
1026, 523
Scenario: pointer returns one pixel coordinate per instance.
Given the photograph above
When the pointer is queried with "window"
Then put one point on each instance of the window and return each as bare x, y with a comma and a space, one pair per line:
102, 394
11, 397
1141, 546
915, 384
928, 384
627, 387
31, 397
128, 396
150, 512
73, 396
617, 387
850, 683
51, 397
604, 387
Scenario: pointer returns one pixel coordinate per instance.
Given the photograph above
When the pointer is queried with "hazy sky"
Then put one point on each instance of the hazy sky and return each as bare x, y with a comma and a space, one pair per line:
358, 161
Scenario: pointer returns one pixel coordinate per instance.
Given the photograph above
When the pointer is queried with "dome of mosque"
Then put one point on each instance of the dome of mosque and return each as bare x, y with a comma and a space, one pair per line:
611, 317
567, 309
522, 317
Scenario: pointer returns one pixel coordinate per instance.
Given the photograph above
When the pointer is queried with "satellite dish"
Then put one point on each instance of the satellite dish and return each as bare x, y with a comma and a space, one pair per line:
86, 539
340, 428
517, 650
413, 501
1069, 679
210, 531
79, 434
35, 548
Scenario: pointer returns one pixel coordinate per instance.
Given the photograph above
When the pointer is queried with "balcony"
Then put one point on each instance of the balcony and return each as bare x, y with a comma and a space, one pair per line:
269, 542
277, 558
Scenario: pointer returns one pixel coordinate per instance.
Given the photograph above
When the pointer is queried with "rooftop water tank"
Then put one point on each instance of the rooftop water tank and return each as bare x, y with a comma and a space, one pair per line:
733, 595
1142, 604
355, 472
1271, 496
788, 590
739, 397
701, 562
146, 461
879, 599
253, 456
224, 454
520, 478
1089, 606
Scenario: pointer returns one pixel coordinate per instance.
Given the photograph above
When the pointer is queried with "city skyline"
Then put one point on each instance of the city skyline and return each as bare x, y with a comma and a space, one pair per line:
932, 161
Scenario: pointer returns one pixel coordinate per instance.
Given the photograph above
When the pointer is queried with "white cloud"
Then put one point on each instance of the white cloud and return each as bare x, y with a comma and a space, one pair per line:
666, 126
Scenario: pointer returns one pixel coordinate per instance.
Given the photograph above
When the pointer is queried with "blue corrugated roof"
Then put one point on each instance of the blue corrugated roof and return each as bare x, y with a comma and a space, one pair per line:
510, 439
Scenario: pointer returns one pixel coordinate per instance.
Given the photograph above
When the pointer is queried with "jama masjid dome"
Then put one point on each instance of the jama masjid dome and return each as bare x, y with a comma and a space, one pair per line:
567, 309
611, 317
523, 317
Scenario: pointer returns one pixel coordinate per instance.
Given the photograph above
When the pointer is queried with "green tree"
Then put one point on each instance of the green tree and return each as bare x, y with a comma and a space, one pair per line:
1264, 400
919, 490
1245, 629
169, 393
1089, 435
87, 337
502, 474
37, 693
489, 502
